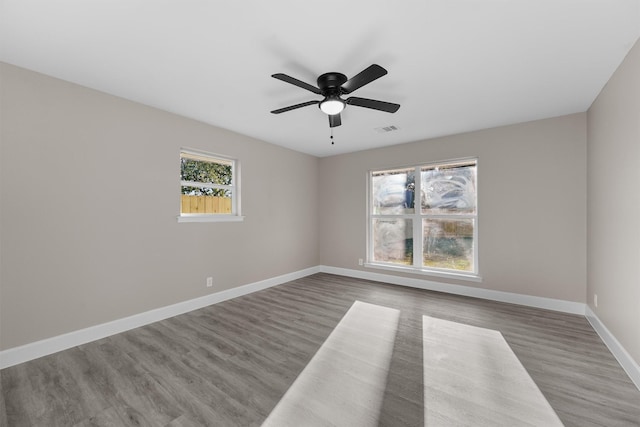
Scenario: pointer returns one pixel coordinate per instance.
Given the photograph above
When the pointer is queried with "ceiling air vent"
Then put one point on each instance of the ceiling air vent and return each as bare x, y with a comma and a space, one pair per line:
386, 129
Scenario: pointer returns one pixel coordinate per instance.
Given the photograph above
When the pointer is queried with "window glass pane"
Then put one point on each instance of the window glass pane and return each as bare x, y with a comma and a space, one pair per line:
393, 241
199, 202
197, 191
449, 189
448, 243
211, 172
393, 191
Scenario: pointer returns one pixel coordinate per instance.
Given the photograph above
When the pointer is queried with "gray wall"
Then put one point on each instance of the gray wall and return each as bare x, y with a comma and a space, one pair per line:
614, 204
90, 194
531, 197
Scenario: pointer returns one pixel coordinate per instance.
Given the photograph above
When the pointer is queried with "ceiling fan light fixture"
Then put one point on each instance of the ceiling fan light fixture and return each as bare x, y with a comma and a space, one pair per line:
332, 105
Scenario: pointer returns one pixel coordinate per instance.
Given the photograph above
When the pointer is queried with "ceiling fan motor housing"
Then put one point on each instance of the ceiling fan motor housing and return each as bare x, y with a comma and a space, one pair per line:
330, 83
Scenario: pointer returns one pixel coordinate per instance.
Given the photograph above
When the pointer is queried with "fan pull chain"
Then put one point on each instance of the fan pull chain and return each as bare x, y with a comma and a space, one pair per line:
331, 136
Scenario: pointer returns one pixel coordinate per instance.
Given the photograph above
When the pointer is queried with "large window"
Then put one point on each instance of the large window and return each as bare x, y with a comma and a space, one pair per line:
425, 218
209, 188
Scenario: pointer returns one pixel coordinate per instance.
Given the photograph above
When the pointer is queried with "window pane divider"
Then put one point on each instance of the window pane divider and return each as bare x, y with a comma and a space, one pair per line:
389, 216
451, 217
423, 216
206, 185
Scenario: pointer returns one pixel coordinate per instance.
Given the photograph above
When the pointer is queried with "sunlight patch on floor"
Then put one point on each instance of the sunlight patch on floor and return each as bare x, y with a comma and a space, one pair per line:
473, 378
344, 383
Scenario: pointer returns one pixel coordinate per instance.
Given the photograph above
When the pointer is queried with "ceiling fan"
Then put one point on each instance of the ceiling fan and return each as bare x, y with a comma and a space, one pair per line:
332, 86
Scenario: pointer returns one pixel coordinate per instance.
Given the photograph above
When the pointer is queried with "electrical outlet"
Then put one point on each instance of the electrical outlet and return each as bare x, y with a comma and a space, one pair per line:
360, 261
209, 282
595, 300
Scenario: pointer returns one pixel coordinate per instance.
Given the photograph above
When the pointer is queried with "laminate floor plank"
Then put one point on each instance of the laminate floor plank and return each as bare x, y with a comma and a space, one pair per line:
59, 405
179, 378
17, 395
3, 408
132, 391
230, 364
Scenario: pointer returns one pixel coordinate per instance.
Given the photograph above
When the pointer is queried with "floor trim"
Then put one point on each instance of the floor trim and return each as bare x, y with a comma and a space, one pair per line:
17, 355
624, 358
471, 291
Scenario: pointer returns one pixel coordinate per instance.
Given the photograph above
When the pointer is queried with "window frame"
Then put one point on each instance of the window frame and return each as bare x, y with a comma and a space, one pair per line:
417, 218
233, 188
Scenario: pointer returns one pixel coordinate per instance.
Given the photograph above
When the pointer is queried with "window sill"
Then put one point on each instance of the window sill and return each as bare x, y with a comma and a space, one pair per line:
405, 269
210, 218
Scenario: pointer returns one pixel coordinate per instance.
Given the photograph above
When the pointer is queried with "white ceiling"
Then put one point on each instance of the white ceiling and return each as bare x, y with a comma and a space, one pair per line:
454, 65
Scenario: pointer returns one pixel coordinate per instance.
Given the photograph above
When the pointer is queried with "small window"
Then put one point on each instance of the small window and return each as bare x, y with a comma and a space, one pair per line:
209, 189
424, 218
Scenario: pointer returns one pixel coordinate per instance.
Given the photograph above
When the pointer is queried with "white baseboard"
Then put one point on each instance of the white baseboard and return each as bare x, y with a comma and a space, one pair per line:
16, 355
470, 291
624, 358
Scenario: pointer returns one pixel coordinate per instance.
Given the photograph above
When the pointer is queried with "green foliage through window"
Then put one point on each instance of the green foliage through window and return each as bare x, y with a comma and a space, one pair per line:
208, 172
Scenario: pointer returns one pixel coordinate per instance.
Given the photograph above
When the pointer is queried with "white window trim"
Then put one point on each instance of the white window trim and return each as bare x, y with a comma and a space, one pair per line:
209, 218
417, 268
434, 272
235, 215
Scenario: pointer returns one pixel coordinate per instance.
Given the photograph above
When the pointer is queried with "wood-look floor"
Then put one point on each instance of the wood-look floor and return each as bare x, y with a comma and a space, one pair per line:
229, 364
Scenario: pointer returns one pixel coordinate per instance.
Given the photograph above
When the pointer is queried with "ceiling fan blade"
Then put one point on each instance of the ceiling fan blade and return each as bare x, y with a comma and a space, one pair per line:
296, 82
373, 104
364, 77
293, 107
335, 120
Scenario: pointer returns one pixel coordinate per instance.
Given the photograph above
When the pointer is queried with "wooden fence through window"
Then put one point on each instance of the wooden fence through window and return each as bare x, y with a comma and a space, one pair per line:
205, 204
